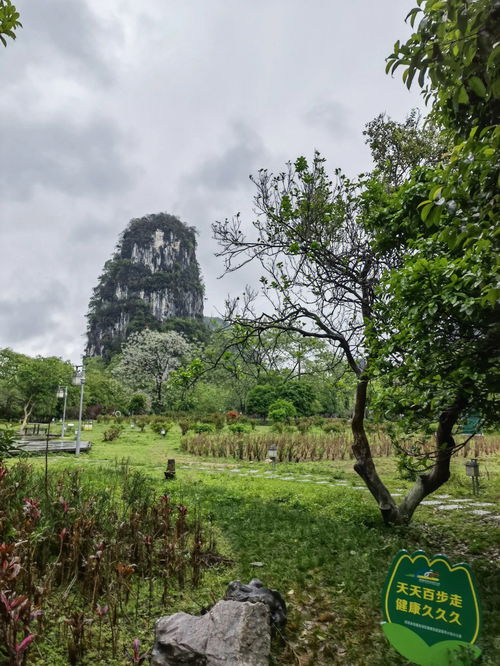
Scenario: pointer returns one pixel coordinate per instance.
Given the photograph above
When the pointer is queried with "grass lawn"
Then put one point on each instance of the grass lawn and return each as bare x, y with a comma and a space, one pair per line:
323, 547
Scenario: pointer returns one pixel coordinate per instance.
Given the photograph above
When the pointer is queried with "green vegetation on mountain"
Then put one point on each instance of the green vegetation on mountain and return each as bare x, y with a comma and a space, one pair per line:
152, 278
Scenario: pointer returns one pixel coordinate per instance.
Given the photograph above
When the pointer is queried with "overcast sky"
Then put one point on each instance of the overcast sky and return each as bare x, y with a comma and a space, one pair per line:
113, 110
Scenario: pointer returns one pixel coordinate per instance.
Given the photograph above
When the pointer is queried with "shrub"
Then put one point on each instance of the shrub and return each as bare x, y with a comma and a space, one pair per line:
260, 398
112, 433
103, 534
7, 436
158, 426
138, 404
240, 428
232, 416
218, 419
202, 427
141, 423
248, 420
282, 411
184, 425
330, 427
303, 425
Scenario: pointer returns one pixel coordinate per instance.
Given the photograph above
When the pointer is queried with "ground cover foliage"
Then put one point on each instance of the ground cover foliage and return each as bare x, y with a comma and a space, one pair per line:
88, 559
324, 548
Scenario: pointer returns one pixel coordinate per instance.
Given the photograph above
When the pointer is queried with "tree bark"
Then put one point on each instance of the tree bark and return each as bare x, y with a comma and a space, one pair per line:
28, 409
429, 482
365, 466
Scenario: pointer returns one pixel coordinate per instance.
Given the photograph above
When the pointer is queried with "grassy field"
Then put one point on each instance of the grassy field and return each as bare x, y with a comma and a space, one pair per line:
322, 546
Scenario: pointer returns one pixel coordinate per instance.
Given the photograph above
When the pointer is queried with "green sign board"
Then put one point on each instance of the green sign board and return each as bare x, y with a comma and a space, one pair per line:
431, 610
470, 427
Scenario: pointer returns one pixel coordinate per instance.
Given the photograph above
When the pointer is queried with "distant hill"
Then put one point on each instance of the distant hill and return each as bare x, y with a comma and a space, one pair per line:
153, 278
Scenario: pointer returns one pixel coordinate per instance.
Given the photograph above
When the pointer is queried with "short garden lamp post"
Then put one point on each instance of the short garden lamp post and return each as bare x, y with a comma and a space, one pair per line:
62, 392
163, 432
472, 470
79, 380
272, 454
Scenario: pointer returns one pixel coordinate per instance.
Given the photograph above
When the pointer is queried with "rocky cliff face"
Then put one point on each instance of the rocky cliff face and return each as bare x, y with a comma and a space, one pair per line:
153, 277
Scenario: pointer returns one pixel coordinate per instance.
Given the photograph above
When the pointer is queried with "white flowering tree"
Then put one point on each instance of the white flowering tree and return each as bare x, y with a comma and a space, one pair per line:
149, 358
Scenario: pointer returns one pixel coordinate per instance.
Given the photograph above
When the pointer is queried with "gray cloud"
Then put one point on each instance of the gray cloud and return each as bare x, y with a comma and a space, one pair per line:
333, 116
31, 315
114, 109
87, 159
231, 167
67, 33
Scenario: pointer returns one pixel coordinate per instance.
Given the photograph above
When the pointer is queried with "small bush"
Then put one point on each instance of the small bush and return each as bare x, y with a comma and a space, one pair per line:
112, 433
278, 427
232, 416
184, 425
202, 427
304, 425
248, 420
330, 427
240, 428
138, 404
282, 411
141, 423
219, 420
158, 426
7, 437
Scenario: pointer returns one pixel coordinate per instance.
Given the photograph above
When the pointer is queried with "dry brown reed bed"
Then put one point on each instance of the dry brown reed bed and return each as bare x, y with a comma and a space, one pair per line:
309, 447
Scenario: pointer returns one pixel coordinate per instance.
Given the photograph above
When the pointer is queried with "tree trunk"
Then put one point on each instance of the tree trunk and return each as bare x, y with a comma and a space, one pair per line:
429, 482
426, 483
28, 409
365, 466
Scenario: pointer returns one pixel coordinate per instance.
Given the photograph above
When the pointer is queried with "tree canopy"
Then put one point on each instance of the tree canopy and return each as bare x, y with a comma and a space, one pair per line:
396, 270
149, 358
28, 385
9, 21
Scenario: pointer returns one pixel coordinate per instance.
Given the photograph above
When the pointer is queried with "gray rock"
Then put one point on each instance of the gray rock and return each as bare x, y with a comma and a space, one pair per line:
255, 592
230, 634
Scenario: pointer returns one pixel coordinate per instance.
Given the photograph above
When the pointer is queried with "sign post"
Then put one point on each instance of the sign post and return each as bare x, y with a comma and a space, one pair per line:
431, 609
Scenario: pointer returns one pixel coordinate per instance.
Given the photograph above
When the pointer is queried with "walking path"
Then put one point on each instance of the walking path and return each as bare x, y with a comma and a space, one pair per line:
439, 502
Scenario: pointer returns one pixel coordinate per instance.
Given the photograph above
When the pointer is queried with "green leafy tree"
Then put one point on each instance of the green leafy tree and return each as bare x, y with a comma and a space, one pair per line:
259, 399
103, 392
31, 383
454, 53
397, 148
301, 394
138, 404
437, 343
281, 411
9, 21
333, 254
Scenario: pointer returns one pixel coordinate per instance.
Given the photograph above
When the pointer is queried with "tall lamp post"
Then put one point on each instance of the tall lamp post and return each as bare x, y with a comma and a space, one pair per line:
79, 380
62, 392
